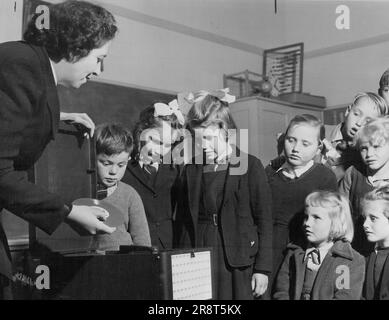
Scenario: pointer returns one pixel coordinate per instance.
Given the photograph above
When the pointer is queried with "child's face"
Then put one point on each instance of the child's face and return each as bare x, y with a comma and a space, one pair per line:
376, 224
317, 225
111, 169
358, 115
385, 93
301, 144
212, 140
157, 142
374, 155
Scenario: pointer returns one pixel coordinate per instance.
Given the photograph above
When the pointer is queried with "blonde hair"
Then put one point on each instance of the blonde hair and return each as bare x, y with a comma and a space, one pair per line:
310, 120
338, 209
378, 194
375, 132
380, 104
210, 111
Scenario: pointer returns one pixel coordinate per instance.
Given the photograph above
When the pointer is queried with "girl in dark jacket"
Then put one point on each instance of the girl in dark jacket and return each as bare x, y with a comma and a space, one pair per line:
327, 267
226, 202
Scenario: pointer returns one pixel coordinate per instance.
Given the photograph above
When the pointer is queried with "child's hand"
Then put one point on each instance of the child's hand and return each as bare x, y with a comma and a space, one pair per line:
79, 118
259, 283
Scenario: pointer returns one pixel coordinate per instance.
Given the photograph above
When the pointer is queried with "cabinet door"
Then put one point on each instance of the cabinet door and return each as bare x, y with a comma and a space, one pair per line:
272, 123
265, 120
245, 115
11, 16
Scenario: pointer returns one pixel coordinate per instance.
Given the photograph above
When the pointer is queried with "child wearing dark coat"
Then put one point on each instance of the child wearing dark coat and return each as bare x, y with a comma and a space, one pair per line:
226, 203
326, 267
375, 209
151, 171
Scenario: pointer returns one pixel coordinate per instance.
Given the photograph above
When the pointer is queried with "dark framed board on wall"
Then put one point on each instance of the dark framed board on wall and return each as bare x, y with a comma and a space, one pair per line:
105, 102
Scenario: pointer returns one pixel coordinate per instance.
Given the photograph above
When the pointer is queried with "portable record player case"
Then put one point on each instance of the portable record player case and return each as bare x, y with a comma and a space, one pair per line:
129, 274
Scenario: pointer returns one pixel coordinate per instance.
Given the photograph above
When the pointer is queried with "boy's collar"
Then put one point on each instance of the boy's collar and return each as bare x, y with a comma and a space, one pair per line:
104, 192
294, 173
378, 182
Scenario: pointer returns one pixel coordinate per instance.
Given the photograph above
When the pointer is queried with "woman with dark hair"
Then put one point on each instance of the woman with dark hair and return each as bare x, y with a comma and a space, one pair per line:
69, 52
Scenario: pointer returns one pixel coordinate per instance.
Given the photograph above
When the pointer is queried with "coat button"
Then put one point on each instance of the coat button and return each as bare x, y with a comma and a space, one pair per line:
155, 196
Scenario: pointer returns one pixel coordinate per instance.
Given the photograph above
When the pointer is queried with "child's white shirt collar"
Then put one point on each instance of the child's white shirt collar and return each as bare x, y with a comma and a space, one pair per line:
323, 250
223, 158
154, 164
292, 173
112, 189
378, 180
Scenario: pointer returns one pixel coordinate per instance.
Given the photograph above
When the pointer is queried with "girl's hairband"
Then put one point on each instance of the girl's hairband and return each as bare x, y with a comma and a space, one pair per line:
162, 109
221, 94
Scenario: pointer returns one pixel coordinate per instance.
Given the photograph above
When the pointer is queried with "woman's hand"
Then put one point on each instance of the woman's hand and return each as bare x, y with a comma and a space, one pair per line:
80, 119
89, 220
259, 283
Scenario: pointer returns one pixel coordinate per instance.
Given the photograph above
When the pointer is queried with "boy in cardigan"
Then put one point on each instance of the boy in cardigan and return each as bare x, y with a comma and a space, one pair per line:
113, 147
375, 206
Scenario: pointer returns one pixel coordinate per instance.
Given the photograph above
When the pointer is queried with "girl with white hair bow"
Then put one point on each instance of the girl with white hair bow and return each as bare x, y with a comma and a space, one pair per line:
151, 171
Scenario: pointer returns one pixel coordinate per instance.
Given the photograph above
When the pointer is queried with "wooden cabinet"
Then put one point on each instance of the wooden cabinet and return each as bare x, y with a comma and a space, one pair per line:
265, 119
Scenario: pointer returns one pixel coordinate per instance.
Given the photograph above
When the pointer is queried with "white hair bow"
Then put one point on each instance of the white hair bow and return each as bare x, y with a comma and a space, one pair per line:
162, 109
221, 94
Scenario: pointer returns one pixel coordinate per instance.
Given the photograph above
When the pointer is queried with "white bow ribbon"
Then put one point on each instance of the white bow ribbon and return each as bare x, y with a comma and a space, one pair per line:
162, 109
221, 94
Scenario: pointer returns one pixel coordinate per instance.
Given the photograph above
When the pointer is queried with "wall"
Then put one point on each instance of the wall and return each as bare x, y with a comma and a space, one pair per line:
177, 45
182, 45
340, 63
11, 12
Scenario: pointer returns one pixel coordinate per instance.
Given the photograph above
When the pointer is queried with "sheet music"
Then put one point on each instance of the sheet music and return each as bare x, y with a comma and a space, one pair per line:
191, 276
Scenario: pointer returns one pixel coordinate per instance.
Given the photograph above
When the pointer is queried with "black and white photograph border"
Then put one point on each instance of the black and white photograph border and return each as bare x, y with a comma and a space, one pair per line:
279, 58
